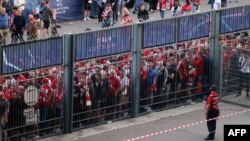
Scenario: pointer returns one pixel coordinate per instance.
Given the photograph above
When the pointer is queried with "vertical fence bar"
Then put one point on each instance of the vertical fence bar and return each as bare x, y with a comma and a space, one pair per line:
216, 51
68, 58
1, 62
136, 65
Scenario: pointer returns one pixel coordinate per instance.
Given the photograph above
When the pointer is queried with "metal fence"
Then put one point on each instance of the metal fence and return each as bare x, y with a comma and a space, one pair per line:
78, 81
236, 70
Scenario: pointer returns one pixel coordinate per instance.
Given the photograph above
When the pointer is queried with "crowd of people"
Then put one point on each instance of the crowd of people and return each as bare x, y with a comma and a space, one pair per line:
13, 22
236, 63
42, 20
46, 98
102, 87
175, 74
109, 10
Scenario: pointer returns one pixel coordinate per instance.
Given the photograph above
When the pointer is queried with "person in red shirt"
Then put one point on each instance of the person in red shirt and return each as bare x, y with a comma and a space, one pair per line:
199, 65
212, 112
2, 81
191, 76
112, 100
126, 18
45, 102
187, 7
182, 71
196, 5
162, 6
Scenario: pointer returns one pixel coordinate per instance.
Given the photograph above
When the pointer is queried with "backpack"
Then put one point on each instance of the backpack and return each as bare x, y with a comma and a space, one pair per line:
3, 107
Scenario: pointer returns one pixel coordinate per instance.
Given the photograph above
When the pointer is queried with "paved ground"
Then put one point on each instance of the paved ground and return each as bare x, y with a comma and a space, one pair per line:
161, 121
80, 26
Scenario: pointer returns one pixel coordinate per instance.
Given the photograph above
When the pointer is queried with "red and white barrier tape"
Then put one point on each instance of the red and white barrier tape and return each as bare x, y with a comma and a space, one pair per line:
185, 126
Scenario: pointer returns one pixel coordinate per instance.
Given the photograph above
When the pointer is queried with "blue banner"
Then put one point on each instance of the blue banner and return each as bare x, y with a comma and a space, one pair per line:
235, 19
103, 43
193, 27
159, 33
31, 55
68, 10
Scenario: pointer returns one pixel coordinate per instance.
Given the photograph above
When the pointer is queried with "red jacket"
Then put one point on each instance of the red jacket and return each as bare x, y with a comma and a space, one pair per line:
45, 95
199, 65
114, 85
213, 100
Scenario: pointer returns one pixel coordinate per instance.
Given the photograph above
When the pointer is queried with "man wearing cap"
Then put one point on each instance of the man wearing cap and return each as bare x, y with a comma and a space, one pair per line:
212, 112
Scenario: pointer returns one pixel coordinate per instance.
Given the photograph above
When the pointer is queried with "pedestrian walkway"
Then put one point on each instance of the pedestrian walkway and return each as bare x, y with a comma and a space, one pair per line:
160, 121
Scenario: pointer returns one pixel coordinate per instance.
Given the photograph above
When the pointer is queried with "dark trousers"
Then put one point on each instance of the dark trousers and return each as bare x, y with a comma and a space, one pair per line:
211, 124
100, 11
17, 35
244, 82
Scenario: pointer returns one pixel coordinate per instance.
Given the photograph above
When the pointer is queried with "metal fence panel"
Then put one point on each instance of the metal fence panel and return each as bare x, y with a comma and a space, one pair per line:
236, 68
103, 43
31, 55
194, 27
159, 33
235, 19
102, 91
35, 103
173, 76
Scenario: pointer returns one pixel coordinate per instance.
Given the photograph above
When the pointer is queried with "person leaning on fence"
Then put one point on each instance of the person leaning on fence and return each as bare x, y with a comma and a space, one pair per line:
107, 16
126, 18
196, 5
215, 4
17, 26
4, 25
244, 61
4, 109
143, 13
186, 8
176, 9
162, 6
33, 28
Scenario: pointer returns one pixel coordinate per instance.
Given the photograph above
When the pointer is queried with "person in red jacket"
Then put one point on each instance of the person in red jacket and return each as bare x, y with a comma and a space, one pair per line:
114, 85
45, 103
212, 112
187, 8
199, 65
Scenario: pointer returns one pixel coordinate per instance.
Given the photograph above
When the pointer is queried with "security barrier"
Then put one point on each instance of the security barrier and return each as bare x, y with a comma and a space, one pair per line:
77, 81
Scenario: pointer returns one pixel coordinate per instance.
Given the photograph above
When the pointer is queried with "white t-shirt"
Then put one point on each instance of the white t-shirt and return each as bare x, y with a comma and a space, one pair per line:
217, 4
124, 83
245, 68
20, 4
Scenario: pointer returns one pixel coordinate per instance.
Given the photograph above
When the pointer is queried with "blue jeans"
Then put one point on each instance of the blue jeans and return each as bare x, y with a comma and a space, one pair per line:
162, 12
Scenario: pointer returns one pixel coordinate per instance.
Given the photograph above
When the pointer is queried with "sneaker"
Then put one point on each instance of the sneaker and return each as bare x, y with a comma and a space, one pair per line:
149, 109
88, 18
109, 122
36, 137
84, 19
125, 114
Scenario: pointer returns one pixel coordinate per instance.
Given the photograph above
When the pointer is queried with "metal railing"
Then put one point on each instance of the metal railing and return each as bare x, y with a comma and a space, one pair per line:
113, 73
